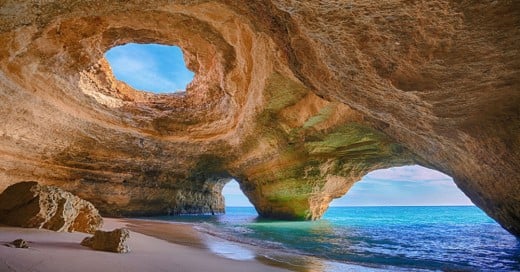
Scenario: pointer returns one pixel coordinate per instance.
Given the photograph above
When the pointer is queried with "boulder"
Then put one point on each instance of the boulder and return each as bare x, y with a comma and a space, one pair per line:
112, 241
297, 100
30, 205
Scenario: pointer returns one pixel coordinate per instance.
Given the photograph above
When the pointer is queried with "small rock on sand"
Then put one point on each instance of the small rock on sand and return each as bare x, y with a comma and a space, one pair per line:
113, 241
18, 243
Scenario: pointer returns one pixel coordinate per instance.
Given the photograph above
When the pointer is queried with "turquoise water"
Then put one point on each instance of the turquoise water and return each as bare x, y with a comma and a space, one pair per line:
458, 238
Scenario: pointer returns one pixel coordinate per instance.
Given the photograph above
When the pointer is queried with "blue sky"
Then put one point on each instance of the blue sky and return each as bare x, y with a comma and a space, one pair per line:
404, 186
397, 186
160, 68
152, 67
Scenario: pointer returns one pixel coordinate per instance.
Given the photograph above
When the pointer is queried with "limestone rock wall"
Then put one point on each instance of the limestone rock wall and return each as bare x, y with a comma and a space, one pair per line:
30, 205
295, 99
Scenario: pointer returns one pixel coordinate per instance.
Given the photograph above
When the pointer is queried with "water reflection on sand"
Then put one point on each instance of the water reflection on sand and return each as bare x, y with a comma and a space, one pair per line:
292, 262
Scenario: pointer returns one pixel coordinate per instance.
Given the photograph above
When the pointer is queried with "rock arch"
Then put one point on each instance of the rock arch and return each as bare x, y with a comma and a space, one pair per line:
296, 99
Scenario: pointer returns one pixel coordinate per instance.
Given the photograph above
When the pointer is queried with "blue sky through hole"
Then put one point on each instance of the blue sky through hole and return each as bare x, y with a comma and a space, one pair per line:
397, 186
161, 69
234, 196
150, 67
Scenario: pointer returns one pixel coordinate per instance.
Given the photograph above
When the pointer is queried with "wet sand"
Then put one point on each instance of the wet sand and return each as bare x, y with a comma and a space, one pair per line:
180, 248
182, 234
155, 246
188, 234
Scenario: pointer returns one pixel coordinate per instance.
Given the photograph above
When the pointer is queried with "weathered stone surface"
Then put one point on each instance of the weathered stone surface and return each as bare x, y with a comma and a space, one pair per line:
30, 205
295, 99
113, 241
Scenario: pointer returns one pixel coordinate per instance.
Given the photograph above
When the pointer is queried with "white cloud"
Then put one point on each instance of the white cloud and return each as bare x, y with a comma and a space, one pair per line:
412, 173
407, 185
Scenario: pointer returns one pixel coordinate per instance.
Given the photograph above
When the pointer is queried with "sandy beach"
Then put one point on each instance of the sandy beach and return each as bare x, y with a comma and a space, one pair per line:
155, 246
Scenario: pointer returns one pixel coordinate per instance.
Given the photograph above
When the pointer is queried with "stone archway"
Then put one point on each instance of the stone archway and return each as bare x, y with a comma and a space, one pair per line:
289, 97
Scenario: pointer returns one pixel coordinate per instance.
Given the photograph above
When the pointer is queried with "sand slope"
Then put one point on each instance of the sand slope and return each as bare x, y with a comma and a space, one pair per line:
61, 251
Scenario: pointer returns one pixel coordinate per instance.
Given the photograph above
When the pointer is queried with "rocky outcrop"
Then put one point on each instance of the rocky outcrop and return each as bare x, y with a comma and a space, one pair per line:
295, 99
30, 205
112, 241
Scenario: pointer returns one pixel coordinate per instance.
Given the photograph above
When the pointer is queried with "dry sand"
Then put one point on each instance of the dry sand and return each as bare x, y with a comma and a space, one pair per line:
179, 249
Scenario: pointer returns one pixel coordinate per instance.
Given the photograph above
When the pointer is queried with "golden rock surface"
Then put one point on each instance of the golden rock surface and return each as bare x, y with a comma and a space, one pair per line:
30, 205
297, 100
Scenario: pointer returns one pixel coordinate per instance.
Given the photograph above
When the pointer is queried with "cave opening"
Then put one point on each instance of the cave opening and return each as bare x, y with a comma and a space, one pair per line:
411, 185
155, 68
234, 197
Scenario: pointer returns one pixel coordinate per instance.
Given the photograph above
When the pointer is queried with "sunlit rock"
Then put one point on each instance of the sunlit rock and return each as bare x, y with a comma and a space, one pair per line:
295, 99
30, 205
112, 241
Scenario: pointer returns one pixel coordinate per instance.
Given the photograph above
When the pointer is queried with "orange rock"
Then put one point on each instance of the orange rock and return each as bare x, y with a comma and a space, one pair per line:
113, 241
296, 99
30, 205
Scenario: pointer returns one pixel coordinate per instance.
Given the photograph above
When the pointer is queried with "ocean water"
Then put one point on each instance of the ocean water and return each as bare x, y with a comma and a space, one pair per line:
459, 238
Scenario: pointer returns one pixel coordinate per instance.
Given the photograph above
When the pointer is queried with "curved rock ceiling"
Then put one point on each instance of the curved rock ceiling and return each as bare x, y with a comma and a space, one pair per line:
296, 99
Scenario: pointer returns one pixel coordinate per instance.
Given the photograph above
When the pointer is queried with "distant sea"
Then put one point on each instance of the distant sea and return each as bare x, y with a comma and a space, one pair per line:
445, 238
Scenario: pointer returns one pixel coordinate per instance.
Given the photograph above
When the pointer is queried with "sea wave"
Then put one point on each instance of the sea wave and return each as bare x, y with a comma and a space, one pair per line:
409, 238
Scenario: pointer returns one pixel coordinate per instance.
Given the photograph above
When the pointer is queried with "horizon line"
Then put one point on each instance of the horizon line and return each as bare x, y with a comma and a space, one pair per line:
441, 205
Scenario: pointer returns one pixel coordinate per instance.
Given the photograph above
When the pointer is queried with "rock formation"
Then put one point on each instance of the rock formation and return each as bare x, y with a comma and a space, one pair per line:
113, 241
30, 205
297, 100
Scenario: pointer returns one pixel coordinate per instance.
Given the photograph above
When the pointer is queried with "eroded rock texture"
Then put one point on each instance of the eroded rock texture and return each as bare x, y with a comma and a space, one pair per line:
296, 99
30, 205
112, 241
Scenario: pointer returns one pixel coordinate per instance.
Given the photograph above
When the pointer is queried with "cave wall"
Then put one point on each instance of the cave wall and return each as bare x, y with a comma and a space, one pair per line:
296, 99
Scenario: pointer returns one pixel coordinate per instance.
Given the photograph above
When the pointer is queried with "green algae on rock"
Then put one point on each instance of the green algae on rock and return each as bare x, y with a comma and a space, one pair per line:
296, 99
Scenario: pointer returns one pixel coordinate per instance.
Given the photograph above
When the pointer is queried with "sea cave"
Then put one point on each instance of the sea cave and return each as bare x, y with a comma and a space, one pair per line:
296, 101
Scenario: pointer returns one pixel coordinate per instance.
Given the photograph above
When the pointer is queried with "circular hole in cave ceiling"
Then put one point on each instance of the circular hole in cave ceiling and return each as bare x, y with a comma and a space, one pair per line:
154, 68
